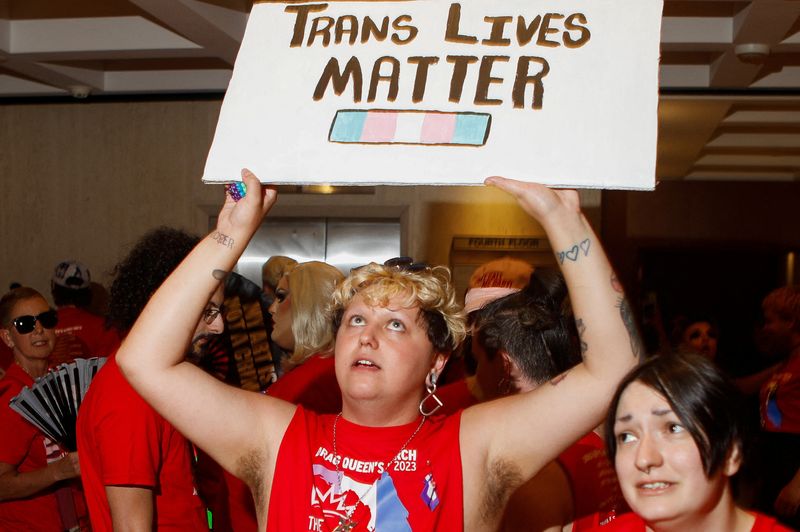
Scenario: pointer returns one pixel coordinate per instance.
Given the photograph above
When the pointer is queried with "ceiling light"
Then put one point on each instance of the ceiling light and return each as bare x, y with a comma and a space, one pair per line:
753, 53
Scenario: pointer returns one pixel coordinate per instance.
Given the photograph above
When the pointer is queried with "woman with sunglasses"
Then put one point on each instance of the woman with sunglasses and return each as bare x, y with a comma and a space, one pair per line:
27, 480
674, 433
384, 462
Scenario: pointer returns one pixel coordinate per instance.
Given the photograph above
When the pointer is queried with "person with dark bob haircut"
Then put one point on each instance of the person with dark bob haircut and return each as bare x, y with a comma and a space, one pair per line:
675, 435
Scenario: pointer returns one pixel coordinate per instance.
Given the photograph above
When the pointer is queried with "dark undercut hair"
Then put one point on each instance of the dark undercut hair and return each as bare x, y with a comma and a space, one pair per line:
706, 403
535, 327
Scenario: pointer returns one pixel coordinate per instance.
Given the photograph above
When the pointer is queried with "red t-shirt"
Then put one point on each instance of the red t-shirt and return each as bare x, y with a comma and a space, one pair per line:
594, 483
631, 522
780, 398
422, 490
123, 441
24, 447
312, 384
81, 334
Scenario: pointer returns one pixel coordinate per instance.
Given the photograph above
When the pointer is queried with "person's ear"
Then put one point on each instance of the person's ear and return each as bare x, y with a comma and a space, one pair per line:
733, 461
510, 367
6, 336
439, 362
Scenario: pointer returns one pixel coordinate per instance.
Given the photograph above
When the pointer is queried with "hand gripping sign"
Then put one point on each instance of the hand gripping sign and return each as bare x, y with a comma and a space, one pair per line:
563, 92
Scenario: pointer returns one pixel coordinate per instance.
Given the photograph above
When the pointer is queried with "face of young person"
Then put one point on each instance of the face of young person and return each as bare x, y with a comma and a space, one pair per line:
281, 311
383, 352
37, 344
701, 338
658, 463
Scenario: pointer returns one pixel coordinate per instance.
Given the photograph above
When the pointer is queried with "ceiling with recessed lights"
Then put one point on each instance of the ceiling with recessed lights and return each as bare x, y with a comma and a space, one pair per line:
730, 69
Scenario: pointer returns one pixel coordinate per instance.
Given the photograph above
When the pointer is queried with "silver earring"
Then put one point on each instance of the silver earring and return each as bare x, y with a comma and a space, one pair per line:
430, 386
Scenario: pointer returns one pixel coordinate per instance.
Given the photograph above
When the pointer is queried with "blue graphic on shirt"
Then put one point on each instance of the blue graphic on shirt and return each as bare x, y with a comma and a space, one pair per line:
392, 516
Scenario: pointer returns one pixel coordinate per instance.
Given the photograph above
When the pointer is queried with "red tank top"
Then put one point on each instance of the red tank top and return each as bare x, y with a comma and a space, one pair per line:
421, 490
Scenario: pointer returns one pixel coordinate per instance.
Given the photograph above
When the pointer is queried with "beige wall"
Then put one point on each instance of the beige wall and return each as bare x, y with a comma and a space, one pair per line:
84, 180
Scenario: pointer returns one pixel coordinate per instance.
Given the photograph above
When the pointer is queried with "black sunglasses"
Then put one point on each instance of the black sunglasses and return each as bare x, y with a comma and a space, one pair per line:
407, 264
26, 324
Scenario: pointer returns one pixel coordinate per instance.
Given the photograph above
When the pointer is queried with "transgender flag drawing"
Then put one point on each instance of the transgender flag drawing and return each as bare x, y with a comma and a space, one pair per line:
383, 126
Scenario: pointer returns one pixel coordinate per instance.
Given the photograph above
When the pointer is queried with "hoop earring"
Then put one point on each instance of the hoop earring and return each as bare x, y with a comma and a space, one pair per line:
430, 386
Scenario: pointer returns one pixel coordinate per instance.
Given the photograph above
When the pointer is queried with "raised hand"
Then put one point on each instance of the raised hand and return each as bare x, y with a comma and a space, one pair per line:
245, 215
538, 200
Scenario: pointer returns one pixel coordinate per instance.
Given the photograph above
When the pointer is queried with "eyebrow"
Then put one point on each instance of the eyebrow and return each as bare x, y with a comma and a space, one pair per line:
659, 412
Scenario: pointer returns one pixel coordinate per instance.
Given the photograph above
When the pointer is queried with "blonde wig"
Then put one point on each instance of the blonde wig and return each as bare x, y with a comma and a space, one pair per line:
275, 268
311, 285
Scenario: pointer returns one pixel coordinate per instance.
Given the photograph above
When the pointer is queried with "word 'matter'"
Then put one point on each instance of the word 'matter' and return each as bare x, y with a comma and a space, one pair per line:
549, 30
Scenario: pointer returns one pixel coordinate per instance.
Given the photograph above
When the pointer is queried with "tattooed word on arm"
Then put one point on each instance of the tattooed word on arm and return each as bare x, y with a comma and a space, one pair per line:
222, 239
575, 251
581, 329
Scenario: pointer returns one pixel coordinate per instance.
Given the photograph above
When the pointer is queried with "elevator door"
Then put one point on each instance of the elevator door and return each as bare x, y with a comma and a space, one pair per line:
343, 243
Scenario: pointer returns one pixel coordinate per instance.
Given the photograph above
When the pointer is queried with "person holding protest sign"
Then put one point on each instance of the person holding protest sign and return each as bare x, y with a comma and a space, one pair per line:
385, 459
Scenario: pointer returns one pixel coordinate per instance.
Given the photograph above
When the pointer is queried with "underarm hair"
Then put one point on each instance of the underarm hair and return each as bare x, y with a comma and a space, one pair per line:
250, 469
503, 478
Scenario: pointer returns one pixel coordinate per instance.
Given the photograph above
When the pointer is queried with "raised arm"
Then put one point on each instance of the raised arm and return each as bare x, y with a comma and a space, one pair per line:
240, 430
506, 442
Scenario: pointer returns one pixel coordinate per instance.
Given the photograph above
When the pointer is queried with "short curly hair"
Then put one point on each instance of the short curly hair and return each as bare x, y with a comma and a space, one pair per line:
430, 289
138, 275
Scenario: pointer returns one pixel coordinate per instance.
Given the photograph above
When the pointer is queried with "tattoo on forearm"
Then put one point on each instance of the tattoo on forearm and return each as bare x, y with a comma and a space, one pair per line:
222, 239
628, 320
219, 275
575, 251
557, 380
581, 330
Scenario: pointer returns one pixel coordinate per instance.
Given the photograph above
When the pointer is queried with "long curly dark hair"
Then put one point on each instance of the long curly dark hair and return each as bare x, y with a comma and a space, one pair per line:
139, 274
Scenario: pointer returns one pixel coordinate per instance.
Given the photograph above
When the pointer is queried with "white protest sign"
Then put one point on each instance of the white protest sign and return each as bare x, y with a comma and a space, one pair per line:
564, 92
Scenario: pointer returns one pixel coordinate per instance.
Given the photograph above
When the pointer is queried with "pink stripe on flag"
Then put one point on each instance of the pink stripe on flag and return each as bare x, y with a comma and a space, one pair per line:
379, 127
438, 128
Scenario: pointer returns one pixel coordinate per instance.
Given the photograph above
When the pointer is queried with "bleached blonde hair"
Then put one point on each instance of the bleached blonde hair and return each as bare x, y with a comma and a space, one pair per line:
429, 289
